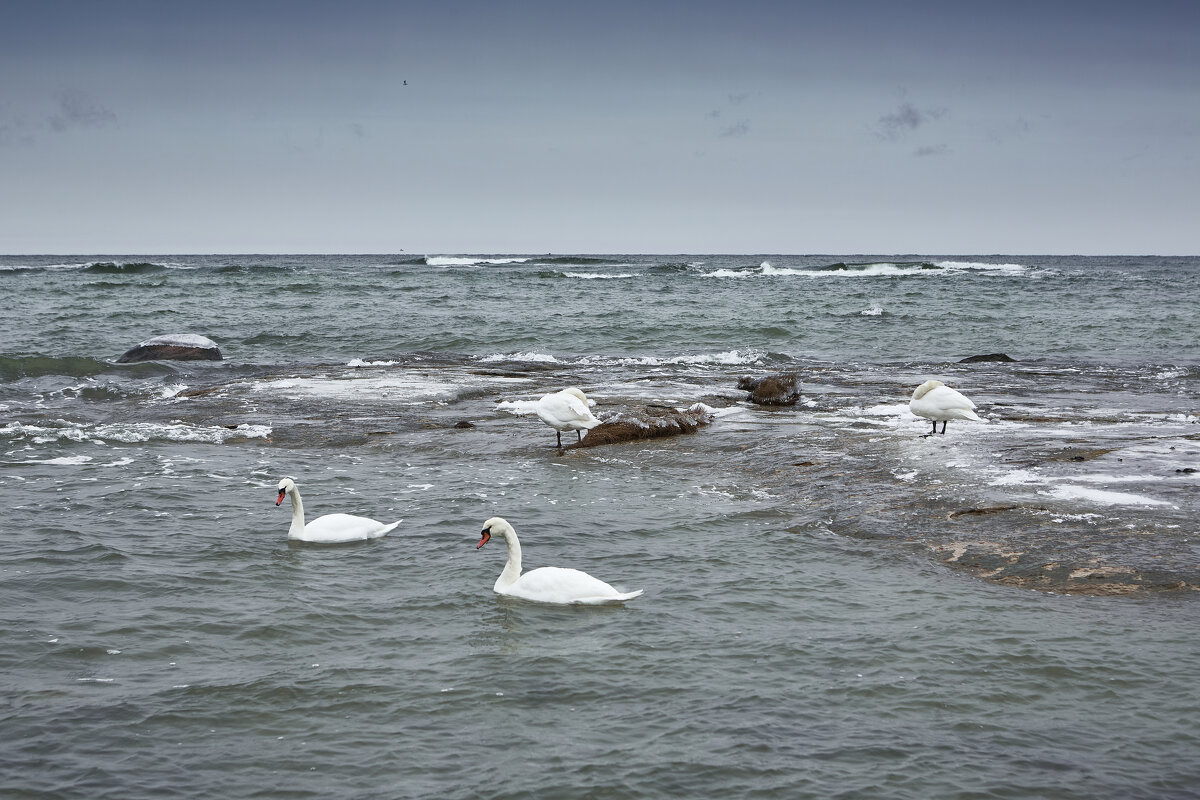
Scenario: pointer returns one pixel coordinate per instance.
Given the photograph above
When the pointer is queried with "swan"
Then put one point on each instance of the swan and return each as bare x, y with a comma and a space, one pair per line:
566, 411
936, 401
546, 584
331, 528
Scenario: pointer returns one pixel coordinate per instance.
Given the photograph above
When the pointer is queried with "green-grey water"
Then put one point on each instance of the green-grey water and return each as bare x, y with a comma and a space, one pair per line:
834, 606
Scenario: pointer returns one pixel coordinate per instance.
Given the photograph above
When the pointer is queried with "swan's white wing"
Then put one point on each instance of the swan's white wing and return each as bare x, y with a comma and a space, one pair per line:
944, 403
565, 412
565, 586
334, 528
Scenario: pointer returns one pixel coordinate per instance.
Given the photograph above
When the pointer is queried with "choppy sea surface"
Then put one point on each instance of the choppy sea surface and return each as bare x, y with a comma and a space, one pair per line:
834, 606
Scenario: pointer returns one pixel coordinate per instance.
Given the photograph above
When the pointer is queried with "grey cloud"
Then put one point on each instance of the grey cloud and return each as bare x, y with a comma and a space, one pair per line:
931, 150
738, 99
77, 110
740, 129
905, 119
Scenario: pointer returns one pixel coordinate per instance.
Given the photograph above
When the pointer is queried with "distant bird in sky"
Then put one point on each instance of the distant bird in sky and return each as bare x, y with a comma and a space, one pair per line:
406, 83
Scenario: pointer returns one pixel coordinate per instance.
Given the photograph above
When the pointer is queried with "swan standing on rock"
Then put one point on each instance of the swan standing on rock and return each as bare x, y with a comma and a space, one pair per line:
936, 401
566, 411
546, 584
331, 528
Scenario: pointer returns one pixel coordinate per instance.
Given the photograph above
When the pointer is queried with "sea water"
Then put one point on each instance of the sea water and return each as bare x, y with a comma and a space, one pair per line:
834, 606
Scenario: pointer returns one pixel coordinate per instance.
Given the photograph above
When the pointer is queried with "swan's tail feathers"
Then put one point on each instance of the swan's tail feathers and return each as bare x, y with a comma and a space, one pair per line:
971, 415
607, 599
386, 529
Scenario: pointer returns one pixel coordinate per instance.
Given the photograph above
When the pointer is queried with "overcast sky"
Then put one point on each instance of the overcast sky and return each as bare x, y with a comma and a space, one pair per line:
619, 127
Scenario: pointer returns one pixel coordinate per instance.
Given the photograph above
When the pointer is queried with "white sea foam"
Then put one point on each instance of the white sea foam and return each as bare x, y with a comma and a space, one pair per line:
889, 410
875, 310
977, 265
469, 261
171, 390
358, 362
1102, 497
181, 340
518, 407
590, 276
65, 461
130, 432
531, 356
1018, 477
730, 273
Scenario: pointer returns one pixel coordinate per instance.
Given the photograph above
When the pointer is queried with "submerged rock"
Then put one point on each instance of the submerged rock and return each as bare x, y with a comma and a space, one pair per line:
773, 390
650, 422
173, 347
998, 357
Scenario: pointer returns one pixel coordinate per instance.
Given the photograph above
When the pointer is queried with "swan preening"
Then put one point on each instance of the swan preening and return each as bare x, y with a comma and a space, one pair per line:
331, 528
936, 401
546, 584
566, 411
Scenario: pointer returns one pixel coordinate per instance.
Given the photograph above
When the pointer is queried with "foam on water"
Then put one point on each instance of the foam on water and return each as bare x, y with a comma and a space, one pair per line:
1103, 497
589, 276
358, 362
545, 358
130, 432
469, 261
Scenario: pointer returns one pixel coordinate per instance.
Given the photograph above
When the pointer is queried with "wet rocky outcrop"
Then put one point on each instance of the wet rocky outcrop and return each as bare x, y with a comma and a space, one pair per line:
989, 357
647, 422
774, 390
173, 347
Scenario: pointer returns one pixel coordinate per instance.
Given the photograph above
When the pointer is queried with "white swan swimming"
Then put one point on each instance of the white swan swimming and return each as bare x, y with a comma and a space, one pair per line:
566, 411
331, 528
546, 584
936, 401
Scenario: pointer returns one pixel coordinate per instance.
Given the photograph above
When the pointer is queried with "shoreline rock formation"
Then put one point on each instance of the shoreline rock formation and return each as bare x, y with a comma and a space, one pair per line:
173, 347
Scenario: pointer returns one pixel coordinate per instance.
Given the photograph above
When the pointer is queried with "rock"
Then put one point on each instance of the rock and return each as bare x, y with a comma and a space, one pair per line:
463, 423
773, 390
651, 422
173, 347
999, 357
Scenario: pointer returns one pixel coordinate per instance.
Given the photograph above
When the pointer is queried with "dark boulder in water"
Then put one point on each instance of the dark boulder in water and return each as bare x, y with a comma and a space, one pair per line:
173, 347
998, 357
774, 390
649, 422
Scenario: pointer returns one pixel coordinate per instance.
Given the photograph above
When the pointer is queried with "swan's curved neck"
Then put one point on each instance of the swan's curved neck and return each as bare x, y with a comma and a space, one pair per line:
297, 513
512, 570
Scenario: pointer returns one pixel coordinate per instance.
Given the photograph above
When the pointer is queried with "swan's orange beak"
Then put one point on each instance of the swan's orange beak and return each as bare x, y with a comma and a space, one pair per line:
282, 492
484, 540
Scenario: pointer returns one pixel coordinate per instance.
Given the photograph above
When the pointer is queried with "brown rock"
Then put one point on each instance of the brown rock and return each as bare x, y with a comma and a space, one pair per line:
773, 390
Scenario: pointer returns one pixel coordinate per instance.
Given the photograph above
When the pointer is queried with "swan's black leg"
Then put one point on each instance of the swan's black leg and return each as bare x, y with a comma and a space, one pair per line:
943, 426
932, 432
558, 435
578, 437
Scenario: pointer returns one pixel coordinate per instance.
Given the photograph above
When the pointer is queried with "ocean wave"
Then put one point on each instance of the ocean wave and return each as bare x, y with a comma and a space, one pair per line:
358, 362
131, 432
471, 261
18, 268
978, 265
728, 358
126, 268
889, 269
538, 357
581, 261
590, 276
